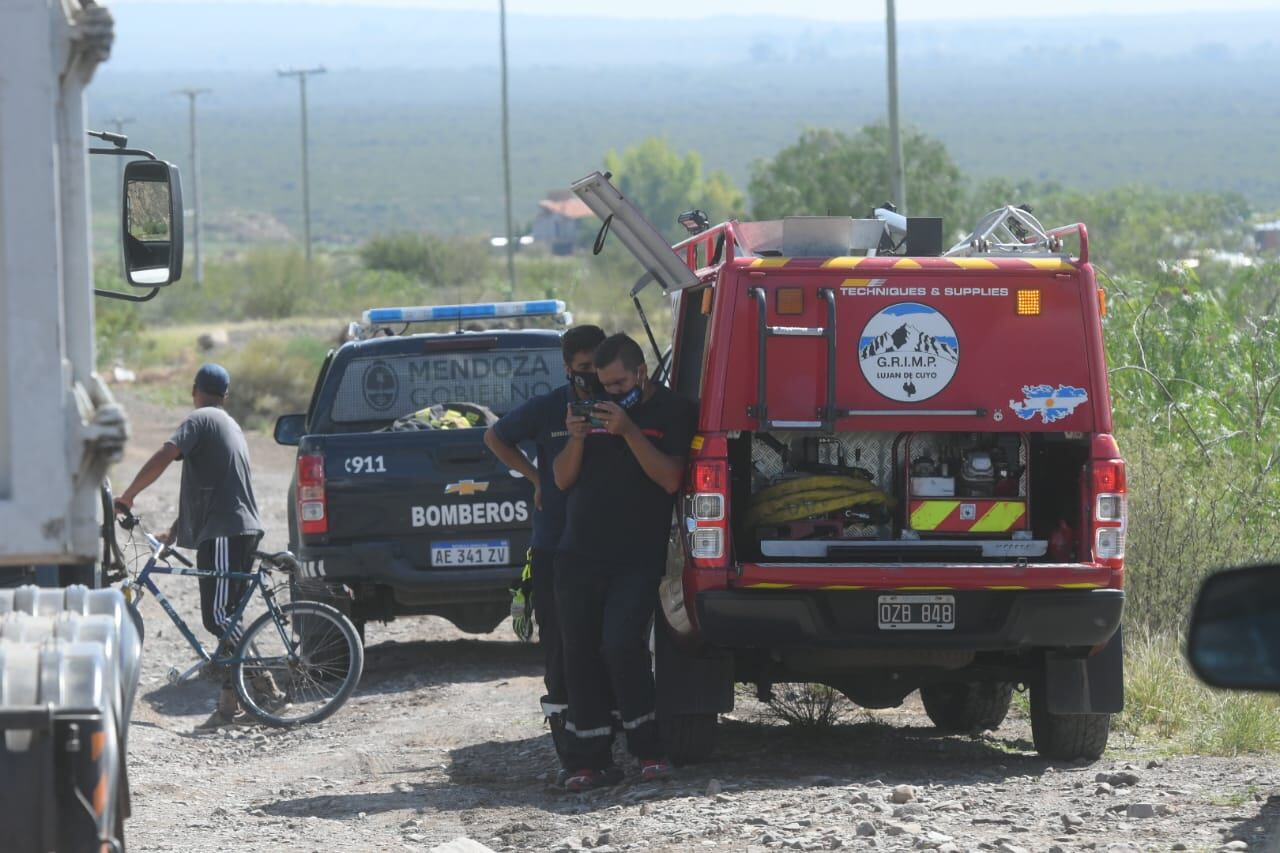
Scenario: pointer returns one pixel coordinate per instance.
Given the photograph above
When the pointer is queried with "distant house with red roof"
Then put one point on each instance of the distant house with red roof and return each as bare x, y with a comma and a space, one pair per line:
1267, 236
559, 221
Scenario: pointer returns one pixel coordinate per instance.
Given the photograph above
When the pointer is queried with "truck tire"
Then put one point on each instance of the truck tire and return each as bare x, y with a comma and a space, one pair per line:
312, 590
969, 706
689, 738
1067, 737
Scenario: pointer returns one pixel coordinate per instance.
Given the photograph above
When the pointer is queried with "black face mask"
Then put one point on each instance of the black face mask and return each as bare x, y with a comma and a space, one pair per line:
586, 382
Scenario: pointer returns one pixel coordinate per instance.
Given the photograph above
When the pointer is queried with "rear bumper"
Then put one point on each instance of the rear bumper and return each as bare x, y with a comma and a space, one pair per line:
385, 564
985, 620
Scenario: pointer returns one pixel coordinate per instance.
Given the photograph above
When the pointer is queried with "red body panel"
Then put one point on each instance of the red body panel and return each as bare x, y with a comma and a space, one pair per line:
997, 352
922, 345
901, 576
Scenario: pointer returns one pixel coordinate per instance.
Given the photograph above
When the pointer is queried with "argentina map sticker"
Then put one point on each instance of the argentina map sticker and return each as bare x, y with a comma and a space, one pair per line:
908, 352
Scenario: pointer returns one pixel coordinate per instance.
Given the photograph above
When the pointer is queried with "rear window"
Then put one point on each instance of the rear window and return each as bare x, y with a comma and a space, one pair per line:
385, 388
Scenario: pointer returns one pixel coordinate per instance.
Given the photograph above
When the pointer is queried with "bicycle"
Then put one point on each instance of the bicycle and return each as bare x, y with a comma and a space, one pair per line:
297, 663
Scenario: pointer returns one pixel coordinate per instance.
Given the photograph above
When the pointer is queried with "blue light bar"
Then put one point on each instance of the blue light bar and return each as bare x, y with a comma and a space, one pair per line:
475, 311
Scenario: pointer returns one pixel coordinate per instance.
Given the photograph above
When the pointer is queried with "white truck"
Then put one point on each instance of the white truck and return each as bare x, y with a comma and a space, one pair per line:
68, 654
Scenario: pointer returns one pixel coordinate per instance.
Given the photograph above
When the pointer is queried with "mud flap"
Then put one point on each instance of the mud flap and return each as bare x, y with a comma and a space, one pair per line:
1093, 685
687, 683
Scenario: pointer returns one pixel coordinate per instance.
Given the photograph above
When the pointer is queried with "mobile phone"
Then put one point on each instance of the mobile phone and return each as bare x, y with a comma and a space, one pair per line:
586, 409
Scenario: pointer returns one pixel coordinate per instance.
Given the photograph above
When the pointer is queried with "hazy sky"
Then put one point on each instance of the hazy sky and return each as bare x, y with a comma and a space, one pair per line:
834, 10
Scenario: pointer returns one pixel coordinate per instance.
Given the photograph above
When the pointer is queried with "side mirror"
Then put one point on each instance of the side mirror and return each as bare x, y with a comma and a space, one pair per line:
290, 429
151, 223
1234, 640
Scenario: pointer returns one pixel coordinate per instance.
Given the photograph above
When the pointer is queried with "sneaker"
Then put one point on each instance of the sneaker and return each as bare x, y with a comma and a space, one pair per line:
586, 780
653, 769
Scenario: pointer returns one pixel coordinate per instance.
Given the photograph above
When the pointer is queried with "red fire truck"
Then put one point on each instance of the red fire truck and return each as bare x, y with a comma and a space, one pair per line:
904, 476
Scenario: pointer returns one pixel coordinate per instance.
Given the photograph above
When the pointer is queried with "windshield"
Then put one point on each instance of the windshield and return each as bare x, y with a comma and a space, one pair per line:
385, 388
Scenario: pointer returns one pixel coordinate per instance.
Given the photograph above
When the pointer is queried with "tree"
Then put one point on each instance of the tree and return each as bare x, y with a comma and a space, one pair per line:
828, 172
1134, 229
663, 185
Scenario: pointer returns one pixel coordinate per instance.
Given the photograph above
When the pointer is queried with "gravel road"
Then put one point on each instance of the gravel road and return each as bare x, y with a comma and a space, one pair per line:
444, 740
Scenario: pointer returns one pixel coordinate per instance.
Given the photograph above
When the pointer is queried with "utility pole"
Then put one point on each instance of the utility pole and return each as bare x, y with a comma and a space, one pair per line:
119, 122
192, 94
897, 176
506, 152
302, 74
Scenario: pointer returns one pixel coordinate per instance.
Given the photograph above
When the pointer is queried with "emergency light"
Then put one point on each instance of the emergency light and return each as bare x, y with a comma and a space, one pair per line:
474, 311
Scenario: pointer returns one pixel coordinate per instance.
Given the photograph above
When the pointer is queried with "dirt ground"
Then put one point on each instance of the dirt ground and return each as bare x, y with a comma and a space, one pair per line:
444, 739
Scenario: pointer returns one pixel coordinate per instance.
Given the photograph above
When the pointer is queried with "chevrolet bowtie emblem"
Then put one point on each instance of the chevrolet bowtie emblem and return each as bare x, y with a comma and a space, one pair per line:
466, 488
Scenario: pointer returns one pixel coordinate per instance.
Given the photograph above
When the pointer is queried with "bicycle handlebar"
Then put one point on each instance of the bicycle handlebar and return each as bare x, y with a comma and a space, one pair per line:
283, 561
162, 550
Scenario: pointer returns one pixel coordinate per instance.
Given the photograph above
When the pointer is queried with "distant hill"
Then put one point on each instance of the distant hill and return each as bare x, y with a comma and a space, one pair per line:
1179, 102
253, 36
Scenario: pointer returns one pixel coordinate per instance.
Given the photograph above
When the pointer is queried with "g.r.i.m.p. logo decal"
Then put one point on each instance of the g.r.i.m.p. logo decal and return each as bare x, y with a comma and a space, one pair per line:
908, 352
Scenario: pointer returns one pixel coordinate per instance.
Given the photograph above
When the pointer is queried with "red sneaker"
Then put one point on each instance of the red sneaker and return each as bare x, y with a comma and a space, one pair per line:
653, 769
586, 780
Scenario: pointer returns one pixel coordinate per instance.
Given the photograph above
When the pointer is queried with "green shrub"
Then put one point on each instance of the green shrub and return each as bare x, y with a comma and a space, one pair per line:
433, 260
271, 376
1165, 700
118, 328
1188, 516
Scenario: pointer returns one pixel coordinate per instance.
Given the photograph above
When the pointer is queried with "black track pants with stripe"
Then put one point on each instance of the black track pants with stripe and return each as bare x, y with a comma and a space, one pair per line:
219, 596
605, 616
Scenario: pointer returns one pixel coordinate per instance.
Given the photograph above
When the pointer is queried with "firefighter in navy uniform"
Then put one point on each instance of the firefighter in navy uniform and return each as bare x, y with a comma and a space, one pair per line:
621, 468
541, 420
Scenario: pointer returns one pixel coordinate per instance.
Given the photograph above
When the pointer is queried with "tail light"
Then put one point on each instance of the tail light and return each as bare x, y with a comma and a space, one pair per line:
1110, 510
706, 502
312, 506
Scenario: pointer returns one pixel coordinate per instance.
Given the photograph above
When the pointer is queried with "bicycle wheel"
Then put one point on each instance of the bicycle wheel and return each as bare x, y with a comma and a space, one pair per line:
301, 669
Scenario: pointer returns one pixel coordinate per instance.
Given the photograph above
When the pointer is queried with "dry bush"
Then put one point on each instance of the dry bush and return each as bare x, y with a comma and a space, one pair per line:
809, 706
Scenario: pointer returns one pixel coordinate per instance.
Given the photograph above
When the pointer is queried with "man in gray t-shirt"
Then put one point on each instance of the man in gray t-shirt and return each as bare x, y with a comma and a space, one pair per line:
217, 513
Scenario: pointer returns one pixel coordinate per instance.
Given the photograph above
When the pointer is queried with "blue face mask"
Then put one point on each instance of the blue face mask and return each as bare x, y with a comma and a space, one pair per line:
629, 399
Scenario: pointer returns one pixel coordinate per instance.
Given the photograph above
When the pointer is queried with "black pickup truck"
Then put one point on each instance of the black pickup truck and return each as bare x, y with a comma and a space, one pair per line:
424, 521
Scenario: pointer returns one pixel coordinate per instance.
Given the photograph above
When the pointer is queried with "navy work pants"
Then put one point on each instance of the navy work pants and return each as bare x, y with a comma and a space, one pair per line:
556, 699
605, 617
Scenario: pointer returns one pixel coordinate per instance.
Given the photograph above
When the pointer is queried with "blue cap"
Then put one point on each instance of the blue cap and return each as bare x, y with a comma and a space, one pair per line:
213, 379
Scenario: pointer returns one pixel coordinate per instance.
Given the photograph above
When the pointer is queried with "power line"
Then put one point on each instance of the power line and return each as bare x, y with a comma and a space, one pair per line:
191, 95
302, 74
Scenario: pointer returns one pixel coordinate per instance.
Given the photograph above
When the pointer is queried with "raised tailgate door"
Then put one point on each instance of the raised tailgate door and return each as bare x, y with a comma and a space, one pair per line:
642, 240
